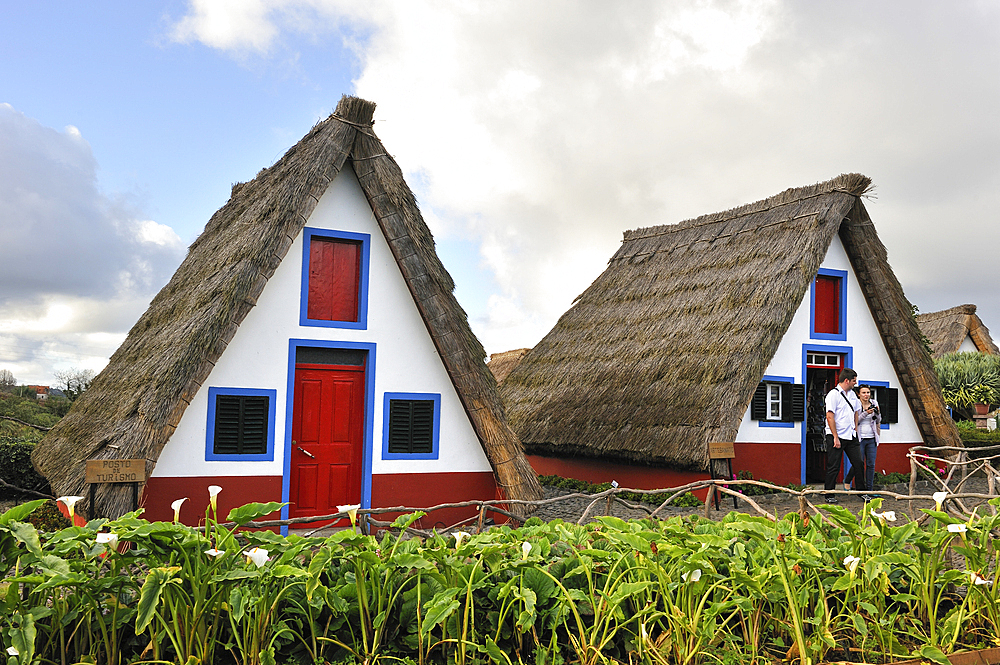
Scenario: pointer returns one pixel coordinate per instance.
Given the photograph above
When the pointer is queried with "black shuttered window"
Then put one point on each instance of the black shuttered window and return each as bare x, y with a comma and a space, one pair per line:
411, 426
241, 426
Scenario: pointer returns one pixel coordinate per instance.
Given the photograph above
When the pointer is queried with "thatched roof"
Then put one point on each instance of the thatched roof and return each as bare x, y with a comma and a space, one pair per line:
502, 363
661, 354
948, 328
133, 406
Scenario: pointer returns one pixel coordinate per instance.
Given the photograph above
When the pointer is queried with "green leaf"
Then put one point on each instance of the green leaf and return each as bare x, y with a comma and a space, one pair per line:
149, 595
407, 560
28, 535
495, 653
18, 513
931, 652
23, 639
252, 511
440, 608
237, 604
404, 521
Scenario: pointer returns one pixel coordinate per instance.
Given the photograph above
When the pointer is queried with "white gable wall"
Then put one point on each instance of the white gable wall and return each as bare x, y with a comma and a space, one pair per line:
257, 357
870, 359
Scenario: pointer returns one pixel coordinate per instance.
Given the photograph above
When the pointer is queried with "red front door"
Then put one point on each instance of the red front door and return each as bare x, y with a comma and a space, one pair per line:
327, 439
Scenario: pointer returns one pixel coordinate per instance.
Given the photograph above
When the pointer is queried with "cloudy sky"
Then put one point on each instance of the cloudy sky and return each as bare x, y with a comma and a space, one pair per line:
533, 133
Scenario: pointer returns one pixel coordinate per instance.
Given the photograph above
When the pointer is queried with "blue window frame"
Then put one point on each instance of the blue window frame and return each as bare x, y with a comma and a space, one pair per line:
876, 385
255, 395
842, 335
397, 416
783, 383
365, 240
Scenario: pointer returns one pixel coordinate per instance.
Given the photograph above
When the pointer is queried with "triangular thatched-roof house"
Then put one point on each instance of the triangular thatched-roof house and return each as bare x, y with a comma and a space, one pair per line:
728, 328
956, 329
501, 364
254, 368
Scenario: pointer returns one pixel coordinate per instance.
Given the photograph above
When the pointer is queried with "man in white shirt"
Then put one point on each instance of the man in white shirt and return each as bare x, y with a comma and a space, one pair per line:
842, 410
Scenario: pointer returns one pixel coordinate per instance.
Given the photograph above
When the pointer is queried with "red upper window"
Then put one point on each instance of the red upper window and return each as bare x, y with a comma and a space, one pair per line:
334, 275
827, 304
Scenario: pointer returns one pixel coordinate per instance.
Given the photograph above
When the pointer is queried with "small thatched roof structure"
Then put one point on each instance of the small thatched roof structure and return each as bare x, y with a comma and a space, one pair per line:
502, 363
661, 354
133, 406
947, 329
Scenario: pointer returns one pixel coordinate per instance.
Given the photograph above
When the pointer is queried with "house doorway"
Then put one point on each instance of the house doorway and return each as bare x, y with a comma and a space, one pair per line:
821, 377
328, 416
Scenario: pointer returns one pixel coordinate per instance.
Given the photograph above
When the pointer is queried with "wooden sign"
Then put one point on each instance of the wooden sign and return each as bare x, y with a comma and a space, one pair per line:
721, 450
116, 470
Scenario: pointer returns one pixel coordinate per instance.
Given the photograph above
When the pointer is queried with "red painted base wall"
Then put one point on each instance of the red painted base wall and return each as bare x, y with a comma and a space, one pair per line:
423, 490
777, 462
236, 491
411, 490
632, 476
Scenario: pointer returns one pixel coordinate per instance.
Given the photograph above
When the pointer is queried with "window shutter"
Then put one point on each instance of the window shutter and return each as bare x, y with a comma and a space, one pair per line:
227, 425
758, 405
254, 426
888, 404
793, 402
411, 426
240, 425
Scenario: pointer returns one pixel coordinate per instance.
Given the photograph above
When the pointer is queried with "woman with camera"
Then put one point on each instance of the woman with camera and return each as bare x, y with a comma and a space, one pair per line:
869, 422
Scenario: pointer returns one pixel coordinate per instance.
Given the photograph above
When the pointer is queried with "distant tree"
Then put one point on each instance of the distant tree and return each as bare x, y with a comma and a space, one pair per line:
7, 380
74, 382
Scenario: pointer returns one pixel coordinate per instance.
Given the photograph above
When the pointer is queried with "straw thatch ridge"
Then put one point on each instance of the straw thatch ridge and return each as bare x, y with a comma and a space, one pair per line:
134, 405
503, 362
947, 329
662, 353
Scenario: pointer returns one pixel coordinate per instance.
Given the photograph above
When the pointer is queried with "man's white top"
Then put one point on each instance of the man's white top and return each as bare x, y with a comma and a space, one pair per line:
843, 413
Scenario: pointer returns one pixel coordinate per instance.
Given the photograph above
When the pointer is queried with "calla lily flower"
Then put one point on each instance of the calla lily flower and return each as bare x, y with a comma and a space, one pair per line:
70, 502
352, 512
12, 651
459, 537
939, 499
525, 549
957, 528
214, 552
692, 576
887, 516
110, 540
213, 491
257, 555
176, 505
851, 563
976, 580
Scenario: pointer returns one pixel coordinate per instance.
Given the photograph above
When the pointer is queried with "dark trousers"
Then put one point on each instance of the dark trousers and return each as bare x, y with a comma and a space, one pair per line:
852, 448
869, 452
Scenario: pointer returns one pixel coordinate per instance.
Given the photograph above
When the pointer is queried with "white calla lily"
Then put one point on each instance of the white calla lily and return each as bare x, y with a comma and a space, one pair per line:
70, 502
213, 491
976, 580
214, 552
176, 505
692, 576
851, 563
957, 528
459, 537
887, 516
525, 549
939, 499
12, 651
110, 540
351, 510
257, 555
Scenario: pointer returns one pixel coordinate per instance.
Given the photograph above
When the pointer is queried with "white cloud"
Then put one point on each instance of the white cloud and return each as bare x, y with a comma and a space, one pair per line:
73, 260
544, 130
